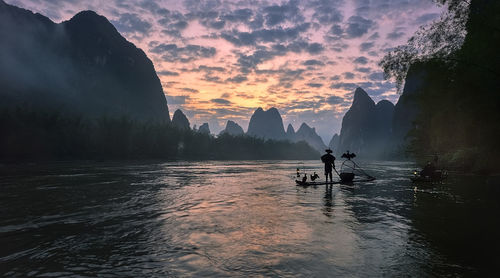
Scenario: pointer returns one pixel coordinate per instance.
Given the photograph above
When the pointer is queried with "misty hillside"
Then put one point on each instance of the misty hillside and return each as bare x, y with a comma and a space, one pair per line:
83, 66
366, 127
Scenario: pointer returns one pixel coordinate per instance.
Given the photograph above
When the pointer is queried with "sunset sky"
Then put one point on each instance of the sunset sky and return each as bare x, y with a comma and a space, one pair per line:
220, 60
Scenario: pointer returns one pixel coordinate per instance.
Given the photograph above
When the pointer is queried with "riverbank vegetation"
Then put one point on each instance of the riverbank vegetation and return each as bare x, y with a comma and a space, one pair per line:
35, 135
459, 96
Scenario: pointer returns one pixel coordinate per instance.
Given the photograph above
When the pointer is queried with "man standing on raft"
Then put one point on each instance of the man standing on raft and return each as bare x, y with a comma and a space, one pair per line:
329, 161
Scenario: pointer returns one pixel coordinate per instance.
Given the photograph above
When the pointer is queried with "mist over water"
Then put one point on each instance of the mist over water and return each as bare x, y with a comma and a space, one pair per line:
240, 219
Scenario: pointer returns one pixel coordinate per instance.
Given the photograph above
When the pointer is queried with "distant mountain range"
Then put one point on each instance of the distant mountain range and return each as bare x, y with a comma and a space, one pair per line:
263, 124
82, 66
269, 125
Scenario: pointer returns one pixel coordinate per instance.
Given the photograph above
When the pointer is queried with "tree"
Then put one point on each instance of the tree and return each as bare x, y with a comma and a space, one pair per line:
438, 40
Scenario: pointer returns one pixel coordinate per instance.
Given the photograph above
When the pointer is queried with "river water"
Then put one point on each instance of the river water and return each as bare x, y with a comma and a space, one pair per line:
241, 219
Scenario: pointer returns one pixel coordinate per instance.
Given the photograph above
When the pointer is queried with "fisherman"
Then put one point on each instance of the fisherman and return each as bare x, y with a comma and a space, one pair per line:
428, 170
304, 178
348, 155
329, 160
314, 177
298, 173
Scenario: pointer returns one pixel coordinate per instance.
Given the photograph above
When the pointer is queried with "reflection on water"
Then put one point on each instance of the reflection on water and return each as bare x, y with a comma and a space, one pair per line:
240, 219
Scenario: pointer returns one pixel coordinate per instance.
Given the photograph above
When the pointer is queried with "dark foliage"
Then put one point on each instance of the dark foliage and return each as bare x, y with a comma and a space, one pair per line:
29, 135
459, 116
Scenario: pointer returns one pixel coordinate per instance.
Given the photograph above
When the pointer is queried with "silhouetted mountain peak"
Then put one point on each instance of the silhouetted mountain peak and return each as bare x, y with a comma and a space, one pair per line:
81, 66
87, 15
233, 128
359, 92
304, 128
290, 130
204, 128
366, 127
266, 124
91, 18
273, 110
89, 22
361, 98
308, 134
180, 120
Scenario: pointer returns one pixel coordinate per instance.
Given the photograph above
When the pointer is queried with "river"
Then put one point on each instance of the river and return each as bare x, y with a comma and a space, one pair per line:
241, 219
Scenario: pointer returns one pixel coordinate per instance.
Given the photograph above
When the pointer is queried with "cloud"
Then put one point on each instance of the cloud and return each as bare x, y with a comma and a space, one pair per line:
357, 26
334, 100
153, 7
315, 85
391, 9
197, 5
349, 75
250, 62
336, 30
363, 69
313, 62
327, 11
205, 68
277, 14
257, 22
220, 101
344, 85
378, 88
374, 36
314, 48
366, 46
237, 79
167, 73
361, 60
173, 53
190, 90
132, 23
211, 78
289, 76
278, 34
239, 15
376, 76
173, 22
174, 29
396, 33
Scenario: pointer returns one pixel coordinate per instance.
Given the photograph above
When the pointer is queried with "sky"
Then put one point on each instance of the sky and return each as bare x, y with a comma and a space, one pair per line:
220, 60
